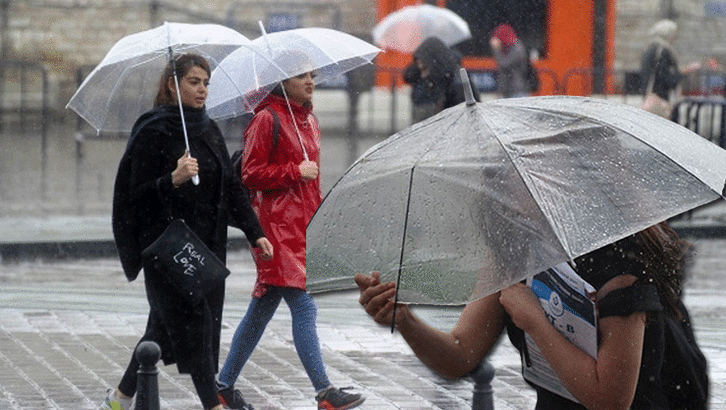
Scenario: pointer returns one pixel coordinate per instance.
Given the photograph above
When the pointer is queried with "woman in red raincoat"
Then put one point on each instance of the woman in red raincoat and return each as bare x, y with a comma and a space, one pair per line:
281, 169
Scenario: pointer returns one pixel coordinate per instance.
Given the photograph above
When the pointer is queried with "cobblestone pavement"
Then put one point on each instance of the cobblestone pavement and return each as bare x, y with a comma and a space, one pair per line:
68, 327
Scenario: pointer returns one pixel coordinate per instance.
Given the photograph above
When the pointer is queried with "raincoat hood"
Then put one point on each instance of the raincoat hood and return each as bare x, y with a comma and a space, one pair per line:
278, 102
506, 34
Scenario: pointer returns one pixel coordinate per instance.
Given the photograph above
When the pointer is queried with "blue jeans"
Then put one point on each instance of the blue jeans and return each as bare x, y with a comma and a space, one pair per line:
304, 333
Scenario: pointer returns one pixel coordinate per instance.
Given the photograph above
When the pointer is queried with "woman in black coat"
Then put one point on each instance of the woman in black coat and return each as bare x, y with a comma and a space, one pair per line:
154, 178
659, 66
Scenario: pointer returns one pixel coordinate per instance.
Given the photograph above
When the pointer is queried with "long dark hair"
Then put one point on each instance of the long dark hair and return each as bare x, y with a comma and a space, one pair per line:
656, 256
664, 257
184, 63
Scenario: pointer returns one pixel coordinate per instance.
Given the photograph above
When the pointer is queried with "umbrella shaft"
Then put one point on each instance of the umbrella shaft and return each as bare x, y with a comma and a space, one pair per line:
297, 131
181, 111
195, 178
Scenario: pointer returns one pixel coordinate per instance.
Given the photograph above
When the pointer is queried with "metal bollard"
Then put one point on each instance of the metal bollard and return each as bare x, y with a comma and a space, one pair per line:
147, 384
483, 398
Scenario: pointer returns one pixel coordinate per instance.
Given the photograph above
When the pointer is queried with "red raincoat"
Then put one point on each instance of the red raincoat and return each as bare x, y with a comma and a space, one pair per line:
283, 201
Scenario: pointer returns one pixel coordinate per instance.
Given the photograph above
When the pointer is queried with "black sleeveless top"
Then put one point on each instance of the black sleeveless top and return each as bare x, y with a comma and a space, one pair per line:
597, 268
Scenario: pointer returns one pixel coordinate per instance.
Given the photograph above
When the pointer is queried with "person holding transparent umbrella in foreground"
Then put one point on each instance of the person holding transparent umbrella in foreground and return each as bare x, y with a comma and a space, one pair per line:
280, 167
637, 280
155, 180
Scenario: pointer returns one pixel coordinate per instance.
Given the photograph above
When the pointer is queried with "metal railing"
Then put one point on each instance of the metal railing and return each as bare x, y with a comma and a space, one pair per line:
704, 116
23, 92
24, 102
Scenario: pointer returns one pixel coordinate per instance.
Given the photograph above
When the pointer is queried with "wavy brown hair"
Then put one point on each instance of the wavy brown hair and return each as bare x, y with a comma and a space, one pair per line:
656, 256
184, 63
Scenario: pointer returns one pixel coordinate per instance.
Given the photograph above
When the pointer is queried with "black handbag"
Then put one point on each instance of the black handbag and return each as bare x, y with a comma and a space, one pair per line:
189, 265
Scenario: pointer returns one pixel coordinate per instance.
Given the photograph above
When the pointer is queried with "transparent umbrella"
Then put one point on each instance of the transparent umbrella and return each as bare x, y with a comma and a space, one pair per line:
246, 76
123, 85
481, 196
404, 30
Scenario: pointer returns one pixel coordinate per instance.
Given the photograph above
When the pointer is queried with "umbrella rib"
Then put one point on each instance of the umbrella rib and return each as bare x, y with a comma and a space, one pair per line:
563, 241
108, 101
654, 148
403, 244
642, 141
255, 74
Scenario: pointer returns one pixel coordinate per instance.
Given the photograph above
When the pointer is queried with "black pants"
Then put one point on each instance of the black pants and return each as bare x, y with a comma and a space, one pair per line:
204, 381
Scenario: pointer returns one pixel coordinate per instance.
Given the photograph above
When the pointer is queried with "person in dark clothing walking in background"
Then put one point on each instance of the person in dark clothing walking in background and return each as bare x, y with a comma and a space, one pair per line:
512, 62
660, 74
434, 79
153, 182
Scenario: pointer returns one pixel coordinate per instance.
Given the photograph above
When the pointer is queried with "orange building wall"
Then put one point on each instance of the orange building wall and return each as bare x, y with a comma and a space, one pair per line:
568, 51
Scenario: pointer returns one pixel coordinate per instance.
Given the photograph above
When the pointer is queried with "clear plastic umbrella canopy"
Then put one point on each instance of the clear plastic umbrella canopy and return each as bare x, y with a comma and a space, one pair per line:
248, 74
479, 197
125, 82
404, 30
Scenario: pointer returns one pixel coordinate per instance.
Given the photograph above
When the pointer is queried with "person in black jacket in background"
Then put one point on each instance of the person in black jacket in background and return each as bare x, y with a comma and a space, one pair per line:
155, 172
434, 79
659, 66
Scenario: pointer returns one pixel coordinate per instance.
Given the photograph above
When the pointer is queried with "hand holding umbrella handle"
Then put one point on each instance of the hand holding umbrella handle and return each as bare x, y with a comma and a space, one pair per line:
309, 170
186, 168
378, 300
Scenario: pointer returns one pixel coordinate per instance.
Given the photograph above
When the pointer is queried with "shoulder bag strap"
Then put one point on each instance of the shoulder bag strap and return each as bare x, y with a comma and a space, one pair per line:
651, 80
275, 128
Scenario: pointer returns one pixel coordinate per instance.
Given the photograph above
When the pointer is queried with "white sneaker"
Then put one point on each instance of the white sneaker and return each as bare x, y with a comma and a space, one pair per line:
113, 402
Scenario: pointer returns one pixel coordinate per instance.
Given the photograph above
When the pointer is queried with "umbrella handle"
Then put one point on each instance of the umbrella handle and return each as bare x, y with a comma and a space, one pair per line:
195, 178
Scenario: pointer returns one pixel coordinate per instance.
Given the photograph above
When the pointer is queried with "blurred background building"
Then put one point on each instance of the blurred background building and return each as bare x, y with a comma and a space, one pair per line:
71, 35
51, 161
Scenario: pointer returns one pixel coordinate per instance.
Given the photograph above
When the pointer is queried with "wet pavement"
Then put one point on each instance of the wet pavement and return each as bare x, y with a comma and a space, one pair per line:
69, 319
68, 327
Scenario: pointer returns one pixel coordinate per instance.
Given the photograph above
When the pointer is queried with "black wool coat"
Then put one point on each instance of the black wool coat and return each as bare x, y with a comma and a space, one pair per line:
443, 85
187, 334
659, 65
